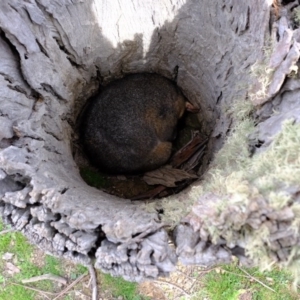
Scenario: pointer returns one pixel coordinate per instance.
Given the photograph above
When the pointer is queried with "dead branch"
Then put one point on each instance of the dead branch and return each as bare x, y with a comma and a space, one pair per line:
257, 280
64, 291
172, 285
34, 289
93, 282
6, 231
46, 277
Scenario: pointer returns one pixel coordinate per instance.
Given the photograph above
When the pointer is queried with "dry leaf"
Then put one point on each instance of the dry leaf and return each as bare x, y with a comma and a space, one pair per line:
11, 268
167, 176
188, 150
150, 194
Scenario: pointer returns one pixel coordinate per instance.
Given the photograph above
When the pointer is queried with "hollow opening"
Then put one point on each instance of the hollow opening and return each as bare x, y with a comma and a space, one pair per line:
153, 114
197, 62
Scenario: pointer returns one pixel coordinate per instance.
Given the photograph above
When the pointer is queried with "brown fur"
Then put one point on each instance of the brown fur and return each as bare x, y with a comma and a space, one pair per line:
130, 125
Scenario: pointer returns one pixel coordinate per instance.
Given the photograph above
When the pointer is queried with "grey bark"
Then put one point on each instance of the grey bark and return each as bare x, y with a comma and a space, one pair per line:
54, 55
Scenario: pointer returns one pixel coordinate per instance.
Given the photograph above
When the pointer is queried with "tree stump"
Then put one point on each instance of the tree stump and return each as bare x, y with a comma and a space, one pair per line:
237, 60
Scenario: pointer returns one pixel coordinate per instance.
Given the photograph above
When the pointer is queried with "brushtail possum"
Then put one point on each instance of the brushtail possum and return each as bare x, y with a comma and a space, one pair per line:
130, 125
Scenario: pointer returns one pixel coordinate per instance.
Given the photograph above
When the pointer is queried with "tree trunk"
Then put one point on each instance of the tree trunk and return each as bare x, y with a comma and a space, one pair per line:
224, 57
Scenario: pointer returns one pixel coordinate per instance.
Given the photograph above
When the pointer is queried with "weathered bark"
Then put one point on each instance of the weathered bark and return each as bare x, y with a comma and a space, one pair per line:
54, 55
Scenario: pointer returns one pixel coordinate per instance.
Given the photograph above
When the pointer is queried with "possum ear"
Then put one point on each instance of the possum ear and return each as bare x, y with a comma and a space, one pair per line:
180, 106
191, 107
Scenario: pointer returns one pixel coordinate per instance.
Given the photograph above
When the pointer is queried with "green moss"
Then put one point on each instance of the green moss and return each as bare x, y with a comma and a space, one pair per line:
93, 178
278, 167
53, 265
265, 176
296, 13
12, 292
229, 282
119, 287
273, 169
4, 243
16, 243
78, 271
236, 177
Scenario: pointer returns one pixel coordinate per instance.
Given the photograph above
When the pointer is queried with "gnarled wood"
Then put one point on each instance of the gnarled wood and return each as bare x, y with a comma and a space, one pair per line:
54, 56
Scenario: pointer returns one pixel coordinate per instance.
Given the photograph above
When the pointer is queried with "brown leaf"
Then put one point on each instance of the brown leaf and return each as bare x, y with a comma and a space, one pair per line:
194, 160
188, 150
150, 194
167, 176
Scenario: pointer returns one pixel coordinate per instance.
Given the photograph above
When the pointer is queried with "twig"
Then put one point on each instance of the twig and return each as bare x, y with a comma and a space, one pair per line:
234, 273
34, 289
94, 282
186, 275
207, 270
256, 280
173, 285
89, 283
45, 277
195, 279
70, 286
6, 231
201, 274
